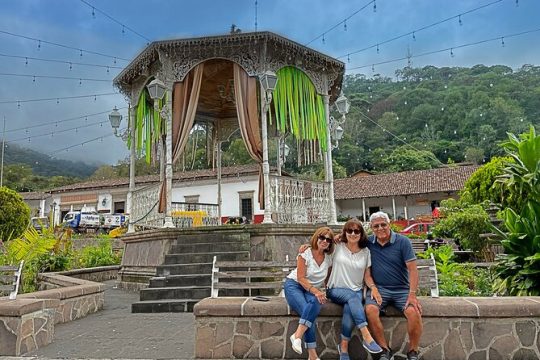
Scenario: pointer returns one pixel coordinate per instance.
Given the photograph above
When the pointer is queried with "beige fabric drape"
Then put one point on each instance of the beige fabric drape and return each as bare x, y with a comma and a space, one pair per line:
245, 93
184, 107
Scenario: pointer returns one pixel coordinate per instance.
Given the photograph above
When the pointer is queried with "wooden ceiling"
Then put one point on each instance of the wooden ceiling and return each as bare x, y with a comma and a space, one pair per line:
216, 99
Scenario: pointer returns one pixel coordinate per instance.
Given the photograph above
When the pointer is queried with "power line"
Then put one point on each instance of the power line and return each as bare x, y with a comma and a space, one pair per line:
55, 98
55, 77
413, 32
70, 63
83, 143
52, 133
116, 21
344, 21
63, 120
451, 49
80, 50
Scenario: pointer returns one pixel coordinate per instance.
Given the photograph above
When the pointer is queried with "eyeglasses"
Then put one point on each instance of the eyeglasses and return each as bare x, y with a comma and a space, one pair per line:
355, 231
325, 238
381, 226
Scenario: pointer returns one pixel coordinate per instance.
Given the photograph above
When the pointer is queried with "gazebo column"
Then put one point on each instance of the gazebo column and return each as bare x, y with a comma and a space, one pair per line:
332, 218
266, 166
394, 207
405, 210
168, 158
129, 200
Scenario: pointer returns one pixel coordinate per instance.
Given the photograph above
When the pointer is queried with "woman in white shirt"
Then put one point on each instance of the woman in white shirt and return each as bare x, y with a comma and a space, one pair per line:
351, 266
304, 289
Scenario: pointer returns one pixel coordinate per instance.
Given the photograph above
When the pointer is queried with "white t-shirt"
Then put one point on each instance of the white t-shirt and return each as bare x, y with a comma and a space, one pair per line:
315, 274
348, 268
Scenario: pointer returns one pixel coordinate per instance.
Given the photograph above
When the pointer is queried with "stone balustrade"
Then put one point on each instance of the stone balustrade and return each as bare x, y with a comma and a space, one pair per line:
27, 323
454, 328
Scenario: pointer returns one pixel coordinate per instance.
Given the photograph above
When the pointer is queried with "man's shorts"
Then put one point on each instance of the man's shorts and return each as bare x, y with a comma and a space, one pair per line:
395, 297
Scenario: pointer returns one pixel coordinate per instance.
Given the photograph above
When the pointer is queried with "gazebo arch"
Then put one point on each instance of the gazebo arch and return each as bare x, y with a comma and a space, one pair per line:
186, 63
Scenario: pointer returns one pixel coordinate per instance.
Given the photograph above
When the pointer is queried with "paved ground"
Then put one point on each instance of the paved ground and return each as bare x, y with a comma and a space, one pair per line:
116, 333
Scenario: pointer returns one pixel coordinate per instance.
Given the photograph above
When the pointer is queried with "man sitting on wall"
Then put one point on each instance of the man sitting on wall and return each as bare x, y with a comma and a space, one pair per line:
394, 271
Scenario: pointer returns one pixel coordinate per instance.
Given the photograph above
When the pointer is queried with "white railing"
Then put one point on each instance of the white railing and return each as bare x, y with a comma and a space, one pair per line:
298, 201
145, 207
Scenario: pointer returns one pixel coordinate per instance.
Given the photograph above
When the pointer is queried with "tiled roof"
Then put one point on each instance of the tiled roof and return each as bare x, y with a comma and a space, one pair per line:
403, 183
33, 195
232, 171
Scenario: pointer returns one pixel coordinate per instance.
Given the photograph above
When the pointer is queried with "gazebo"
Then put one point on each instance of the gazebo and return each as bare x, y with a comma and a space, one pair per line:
255, 83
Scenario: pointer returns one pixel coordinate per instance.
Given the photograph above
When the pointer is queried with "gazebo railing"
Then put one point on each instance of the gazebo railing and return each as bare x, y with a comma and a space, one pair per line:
299, 201
145, 206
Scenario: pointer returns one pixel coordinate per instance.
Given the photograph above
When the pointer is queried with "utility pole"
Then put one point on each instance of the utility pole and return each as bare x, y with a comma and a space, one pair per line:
3, 148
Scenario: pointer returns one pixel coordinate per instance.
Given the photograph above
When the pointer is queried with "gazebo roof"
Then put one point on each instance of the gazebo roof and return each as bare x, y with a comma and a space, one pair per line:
256, 52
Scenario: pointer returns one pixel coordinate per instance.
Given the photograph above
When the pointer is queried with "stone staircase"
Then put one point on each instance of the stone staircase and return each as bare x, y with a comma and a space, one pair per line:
185, 276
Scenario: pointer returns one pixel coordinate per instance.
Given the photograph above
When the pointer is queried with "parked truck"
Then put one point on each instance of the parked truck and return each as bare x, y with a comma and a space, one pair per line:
83, 221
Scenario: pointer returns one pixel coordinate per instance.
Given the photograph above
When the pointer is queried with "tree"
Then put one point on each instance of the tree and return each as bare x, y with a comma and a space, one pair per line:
474, 155
405, 158
482, 185
14, 214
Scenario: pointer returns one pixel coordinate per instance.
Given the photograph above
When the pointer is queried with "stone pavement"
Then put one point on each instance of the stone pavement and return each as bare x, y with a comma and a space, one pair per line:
116, 333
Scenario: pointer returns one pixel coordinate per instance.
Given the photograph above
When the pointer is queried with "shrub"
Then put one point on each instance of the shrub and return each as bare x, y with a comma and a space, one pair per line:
101, 255
14, 214
464, 222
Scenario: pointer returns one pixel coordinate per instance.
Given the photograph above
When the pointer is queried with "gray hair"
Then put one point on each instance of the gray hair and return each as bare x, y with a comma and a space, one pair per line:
379, 215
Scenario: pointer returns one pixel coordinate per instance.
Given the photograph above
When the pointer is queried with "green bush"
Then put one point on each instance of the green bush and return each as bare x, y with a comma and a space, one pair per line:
458, 279
14, 214
101, 255
464, 222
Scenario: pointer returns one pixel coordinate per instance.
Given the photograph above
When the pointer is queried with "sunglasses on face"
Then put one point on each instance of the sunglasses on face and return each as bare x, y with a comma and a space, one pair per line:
325, 238
351, 231
381, 226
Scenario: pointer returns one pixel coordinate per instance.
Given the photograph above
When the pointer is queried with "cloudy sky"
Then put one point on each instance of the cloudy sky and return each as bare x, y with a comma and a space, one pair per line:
91, 40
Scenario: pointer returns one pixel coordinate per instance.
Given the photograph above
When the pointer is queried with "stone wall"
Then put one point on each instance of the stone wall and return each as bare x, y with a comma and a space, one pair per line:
145, 250
27, 322
454, 328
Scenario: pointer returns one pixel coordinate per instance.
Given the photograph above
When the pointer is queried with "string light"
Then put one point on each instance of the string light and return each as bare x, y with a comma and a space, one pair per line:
339, 23
447, 49
412, 32
94, 9
55, 77
70, 63
60, 45
82, 144
51, 134
18, 102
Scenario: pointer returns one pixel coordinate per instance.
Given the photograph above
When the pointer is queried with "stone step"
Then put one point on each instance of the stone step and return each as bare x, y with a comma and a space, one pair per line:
209, 246
160, 306
176, 292
212, 237
181, 280
187, 258
185, 269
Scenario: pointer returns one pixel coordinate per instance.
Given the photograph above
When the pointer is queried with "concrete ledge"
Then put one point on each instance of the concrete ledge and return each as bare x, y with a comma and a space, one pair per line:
454, 328
27, 323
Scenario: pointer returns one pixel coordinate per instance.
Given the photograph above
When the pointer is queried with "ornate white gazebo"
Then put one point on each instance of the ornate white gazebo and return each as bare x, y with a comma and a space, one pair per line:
228, 82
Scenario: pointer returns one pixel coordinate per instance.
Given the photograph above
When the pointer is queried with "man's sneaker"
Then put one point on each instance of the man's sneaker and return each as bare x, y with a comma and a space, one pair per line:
386, 355
412, 355
372, 347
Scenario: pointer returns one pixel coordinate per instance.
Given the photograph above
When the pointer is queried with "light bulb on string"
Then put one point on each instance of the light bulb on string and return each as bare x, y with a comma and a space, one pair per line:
28, 139
93, 13
323, 40
502, 41
377, 48
80, 82
123, 30
114, 61
442, 109
348, 58
34, 79
108, 70
26, 61
95, 97
451, 52
413, 36
57, 101
345, 25
39, 45
373, 67
459, 20
80, 54
70, 66
375, 6
18, 105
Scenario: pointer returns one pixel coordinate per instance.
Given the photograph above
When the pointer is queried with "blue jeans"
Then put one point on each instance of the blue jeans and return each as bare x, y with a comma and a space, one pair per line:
353, 309
307, 306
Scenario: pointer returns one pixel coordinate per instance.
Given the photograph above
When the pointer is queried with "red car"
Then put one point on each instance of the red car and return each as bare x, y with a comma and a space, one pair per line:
418, 228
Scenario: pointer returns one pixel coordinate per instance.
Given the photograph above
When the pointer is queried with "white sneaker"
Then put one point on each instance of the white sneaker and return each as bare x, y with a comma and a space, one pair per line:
296, 344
